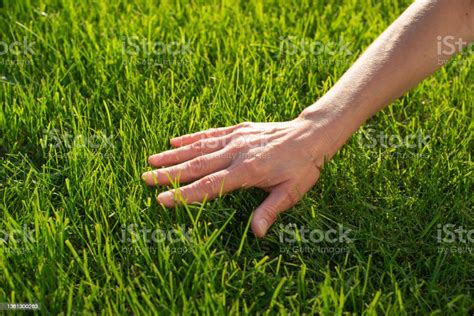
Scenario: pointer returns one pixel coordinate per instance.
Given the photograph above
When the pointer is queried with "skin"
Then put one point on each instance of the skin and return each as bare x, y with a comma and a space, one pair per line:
286, 158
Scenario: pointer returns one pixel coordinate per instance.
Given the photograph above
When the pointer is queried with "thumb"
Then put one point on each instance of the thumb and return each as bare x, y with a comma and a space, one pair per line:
279, 200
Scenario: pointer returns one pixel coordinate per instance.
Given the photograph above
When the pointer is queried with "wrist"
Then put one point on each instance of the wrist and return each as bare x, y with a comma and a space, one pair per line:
332, 122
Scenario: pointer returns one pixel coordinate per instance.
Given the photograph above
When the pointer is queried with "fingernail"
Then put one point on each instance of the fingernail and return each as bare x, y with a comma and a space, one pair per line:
165, 197
262, 226
175, 142
144, 176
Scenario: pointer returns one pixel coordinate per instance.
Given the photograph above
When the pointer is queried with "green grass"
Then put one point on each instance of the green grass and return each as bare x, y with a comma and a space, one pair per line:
74, 200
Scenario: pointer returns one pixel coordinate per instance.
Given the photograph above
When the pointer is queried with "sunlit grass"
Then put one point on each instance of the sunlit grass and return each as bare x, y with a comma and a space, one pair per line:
80, 115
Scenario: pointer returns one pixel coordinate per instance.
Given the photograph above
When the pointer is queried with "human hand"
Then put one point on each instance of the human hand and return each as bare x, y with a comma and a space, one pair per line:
284, 159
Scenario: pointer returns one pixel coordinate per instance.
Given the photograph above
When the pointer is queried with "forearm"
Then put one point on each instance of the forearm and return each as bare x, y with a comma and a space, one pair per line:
406, 53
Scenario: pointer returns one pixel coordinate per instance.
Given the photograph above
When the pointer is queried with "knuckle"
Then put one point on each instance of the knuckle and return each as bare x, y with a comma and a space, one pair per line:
211, 143
209, 184
293, 196
255, 142
170, 173
212, 131
235, 136
197, 164
244, 124
198, 145
251, 165
238, 144
274, 130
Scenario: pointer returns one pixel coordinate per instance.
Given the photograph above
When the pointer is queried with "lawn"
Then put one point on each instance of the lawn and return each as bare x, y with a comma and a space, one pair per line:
89, 89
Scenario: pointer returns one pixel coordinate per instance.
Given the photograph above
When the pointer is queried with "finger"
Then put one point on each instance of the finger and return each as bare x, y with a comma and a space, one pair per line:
191, 138
278, 201
190, 170
185, 153
207, 188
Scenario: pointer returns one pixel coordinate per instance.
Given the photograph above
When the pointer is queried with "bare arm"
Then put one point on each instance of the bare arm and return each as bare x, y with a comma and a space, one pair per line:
407, 52
286, 158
